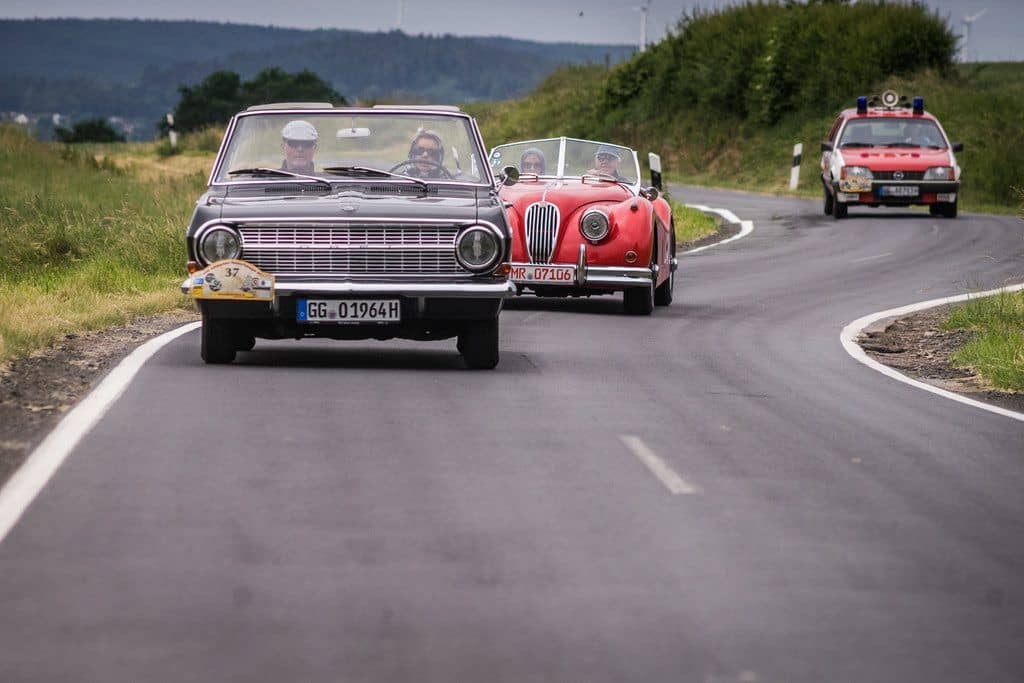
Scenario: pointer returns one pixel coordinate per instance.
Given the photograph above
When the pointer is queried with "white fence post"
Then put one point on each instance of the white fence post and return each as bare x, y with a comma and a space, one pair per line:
171, 133
794, 173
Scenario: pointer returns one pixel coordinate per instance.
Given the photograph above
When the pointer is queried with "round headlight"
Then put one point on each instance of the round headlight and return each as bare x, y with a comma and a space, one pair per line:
594, 225
219, 243
477, 248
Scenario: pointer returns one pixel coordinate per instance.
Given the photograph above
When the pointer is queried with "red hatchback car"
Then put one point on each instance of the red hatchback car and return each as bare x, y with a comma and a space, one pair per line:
582, 224
889, 152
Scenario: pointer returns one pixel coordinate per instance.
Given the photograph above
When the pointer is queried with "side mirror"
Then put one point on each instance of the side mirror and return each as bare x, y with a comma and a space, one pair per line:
650, 193
827, 147
958, 146
509, 176
654, 161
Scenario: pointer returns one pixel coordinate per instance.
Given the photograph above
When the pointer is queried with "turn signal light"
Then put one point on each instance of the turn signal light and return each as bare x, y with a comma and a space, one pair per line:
192, 267
503, 269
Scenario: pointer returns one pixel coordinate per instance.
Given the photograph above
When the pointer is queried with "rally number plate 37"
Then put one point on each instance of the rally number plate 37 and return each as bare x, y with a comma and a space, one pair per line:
348, 311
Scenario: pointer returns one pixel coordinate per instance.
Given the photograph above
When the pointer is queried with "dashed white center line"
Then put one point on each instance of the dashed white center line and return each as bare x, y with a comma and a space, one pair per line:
665, 474
871, 258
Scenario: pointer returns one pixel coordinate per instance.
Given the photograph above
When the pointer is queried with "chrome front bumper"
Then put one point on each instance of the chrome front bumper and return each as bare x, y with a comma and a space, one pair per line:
597, 276
459, 290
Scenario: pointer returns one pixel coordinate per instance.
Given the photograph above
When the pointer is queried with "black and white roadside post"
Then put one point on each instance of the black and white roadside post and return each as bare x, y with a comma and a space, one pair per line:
794, 172
654, 161
172, 134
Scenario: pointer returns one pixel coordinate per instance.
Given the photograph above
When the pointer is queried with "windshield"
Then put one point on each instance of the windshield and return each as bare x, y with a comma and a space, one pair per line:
892, 132
581, 157
331, 144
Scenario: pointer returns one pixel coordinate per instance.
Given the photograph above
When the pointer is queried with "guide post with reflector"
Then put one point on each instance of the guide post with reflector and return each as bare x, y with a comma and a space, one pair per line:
794, 172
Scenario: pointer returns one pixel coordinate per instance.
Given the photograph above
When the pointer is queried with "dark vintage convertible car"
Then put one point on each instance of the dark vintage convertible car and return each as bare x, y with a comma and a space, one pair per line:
350, 223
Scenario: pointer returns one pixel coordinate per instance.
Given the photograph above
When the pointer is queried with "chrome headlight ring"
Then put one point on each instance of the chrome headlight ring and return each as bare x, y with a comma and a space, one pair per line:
594, 225
478, 248
218, 242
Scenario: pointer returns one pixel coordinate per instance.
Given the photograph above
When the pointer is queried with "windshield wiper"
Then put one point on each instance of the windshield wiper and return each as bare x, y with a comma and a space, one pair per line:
366, 171
856, 144
278, 172
901, 144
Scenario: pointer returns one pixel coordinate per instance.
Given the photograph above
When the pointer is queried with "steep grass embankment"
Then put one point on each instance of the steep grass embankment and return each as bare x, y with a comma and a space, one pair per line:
725, 98
85, 244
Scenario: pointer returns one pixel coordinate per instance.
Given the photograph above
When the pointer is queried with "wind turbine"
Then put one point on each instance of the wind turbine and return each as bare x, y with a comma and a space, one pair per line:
968, 22
642, 9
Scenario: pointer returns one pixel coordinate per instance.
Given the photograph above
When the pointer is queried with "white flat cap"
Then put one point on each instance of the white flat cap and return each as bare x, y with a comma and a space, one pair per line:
299, 130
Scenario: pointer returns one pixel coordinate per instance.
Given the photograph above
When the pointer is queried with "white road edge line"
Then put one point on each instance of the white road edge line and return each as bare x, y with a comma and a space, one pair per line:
851, 332
746, 227
871, 258
665, 474
26, 483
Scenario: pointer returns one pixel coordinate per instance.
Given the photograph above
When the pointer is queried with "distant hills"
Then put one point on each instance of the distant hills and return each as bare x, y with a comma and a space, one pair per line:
132, 68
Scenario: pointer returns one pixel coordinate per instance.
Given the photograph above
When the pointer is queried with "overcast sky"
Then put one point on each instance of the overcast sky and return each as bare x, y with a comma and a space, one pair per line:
996, 35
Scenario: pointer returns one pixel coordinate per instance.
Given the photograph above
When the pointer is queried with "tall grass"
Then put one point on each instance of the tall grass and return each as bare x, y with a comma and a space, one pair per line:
85, 244
997, 352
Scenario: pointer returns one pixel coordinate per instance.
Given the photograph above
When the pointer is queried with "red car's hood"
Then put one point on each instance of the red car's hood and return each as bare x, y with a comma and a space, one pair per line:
896, 159
567, 194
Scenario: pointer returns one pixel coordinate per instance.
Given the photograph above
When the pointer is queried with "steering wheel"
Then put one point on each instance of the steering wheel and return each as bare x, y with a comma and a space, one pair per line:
429, 162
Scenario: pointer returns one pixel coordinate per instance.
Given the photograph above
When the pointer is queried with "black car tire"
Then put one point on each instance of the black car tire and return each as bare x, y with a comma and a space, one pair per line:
244, 341
829, 202
839, 210
663, 294
949, 210
478, 345
935, 209
639, 300
217, 343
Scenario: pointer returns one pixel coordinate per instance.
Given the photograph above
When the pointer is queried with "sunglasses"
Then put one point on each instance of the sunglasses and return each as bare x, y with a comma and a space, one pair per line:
604, 156
301, 144
532, 166
432, 152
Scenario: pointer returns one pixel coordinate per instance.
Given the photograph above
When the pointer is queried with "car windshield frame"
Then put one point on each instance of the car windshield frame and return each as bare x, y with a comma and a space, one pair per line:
840, 143
487, 176
560, 166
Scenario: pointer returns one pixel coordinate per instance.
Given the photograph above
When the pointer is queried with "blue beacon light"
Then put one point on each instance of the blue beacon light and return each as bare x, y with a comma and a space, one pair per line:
918, 105
862, 105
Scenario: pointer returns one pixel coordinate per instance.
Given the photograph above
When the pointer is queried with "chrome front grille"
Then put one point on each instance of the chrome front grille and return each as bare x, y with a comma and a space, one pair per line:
542, 220
357, 250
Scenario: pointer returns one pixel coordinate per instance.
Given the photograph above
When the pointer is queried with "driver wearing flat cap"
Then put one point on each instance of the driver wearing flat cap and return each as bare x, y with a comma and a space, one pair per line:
298, 142
606, 162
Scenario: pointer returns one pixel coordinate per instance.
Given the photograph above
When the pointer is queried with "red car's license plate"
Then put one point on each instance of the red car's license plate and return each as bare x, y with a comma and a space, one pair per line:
564, 275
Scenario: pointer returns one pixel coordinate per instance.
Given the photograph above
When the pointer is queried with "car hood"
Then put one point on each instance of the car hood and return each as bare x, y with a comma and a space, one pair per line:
353, 204
567, 194
902, 159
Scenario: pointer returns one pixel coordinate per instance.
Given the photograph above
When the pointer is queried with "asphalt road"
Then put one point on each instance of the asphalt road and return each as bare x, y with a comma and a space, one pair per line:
364, 512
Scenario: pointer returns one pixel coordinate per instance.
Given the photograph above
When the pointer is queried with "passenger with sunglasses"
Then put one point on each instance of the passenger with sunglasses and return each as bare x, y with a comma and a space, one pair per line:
606, 162
298, 142
426, 156
532, 161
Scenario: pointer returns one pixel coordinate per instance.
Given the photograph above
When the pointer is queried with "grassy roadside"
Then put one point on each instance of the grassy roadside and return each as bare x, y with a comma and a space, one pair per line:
86, 244
691, 224
997, 352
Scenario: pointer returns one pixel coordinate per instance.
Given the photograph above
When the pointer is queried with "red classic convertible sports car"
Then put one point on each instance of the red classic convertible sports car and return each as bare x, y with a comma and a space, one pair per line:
583, 225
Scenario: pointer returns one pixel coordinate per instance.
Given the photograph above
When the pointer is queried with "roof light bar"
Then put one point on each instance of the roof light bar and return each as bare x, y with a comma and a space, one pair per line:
862, 105
918, 105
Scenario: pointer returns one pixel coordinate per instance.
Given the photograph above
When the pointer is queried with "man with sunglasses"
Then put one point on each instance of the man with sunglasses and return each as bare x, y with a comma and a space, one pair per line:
532, 161
426, 156
606, 162
298, 142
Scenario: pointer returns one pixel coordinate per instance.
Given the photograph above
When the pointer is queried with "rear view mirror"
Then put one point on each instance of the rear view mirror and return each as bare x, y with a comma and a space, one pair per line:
650, 193
826, 147
509, 176
345, 133
958, 146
